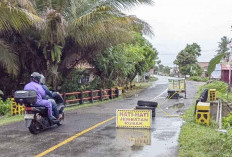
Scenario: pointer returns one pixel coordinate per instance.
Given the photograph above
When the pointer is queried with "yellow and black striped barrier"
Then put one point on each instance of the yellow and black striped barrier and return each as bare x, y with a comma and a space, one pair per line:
16, 109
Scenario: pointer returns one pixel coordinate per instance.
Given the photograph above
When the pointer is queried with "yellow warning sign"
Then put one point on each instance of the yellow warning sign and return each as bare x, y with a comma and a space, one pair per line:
133, 118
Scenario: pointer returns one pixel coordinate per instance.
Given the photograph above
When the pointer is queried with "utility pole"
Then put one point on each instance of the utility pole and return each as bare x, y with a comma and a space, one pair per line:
229, 62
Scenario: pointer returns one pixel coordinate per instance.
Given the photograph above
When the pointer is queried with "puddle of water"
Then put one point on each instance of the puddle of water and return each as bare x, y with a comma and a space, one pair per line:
160, 140
177, 106
136, 137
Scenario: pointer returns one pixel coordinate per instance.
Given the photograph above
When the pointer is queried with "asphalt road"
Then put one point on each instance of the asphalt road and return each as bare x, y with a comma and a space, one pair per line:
105, 139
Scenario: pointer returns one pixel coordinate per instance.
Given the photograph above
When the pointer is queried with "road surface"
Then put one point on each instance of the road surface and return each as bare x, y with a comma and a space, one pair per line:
104, 139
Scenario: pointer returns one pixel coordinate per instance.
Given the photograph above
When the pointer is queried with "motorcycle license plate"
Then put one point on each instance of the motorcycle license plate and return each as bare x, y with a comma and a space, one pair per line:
29, 116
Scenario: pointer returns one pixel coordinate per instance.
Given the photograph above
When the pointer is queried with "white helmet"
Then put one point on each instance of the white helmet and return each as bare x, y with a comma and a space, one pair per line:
35, 76
42, 79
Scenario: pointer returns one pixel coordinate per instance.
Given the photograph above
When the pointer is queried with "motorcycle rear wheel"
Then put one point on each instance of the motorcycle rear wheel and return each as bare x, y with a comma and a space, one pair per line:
34, 128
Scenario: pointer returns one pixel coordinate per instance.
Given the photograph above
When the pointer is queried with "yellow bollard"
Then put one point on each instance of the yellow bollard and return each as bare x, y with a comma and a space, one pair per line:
13, 107
212, 95
16, 108
203, 113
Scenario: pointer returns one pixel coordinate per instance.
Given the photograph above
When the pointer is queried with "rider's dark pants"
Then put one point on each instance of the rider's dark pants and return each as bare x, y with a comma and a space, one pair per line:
54, 108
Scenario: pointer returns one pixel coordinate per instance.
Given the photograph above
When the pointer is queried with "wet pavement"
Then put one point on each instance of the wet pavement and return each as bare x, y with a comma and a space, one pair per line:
106, 140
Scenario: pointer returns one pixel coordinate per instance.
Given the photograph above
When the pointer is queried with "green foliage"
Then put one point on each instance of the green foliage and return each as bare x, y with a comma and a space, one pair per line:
120, 64
144, 52
214, 61
8, 60
162, 69
72, 82
151, 79
223, 45
166, 70
13, 18
4, 107
221, 89
198, 79
227, 121
187, 60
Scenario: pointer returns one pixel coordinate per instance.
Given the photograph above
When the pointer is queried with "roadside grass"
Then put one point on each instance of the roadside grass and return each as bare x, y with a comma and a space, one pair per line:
7, 119
198, 140
10, 119
153, 79
77, 106
137, 89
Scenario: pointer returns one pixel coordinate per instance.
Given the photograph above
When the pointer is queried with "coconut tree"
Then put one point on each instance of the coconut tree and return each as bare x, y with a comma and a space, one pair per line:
89, 24
223, 45
223, 54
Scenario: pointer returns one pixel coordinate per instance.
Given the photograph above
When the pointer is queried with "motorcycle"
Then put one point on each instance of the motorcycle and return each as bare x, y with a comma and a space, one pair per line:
36, 117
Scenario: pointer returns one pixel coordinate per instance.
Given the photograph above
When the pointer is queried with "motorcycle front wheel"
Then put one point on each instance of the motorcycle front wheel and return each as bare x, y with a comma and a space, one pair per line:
61, 121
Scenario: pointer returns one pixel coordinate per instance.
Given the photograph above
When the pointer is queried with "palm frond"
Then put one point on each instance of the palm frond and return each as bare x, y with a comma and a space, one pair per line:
27, 5
113, 29
12, 18
54, 30
214, 61
124, 4
8, 59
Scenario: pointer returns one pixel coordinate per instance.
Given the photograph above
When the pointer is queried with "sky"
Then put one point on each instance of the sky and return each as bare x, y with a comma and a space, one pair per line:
177, 23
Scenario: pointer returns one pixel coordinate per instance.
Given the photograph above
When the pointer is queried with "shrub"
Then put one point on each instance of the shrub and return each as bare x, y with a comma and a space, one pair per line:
198, 79
4, 107
227, 121
72, 82
152, 78
221, 87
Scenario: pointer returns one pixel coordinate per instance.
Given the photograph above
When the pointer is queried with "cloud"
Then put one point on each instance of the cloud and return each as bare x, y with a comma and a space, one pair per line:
176, 23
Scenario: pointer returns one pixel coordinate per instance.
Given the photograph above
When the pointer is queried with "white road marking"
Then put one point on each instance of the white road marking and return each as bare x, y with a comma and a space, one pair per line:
158, 96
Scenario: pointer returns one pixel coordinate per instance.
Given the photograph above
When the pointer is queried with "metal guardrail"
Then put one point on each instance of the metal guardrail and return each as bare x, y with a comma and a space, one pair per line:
95, 95
91, 96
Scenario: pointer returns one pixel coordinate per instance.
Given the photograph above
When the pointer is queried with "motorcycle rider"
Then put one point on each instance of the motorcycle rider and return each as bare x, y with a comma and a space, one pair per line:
36, 86
50, 96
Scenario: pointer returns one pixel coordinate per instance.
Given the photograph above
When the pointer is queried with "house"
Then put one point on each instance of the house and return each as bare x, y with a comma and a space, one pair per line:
88, 75
204, 66
225, 68
216, 74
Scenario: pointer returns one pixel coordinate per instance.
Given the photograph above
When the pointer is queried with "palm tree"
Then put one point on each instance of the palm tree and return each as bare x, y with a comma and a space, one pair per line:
223, 45
223, 53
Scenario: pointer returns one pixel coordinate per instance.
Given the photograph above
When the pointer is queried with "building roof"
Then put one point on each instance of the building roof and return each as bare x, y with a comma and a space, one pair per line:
226, 66
203, 64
